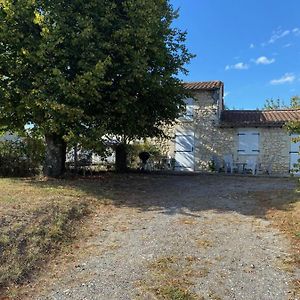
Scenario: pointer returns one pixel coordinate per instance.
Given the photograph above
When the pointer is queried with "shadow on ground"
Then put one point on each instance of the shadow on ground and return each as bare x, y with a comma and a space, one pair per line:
186, 195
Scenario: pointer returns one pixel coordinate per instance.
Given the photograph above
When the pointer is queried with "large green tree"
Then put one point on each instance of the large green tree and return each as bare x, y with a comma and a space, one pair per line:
79, 69
148, 54
52, 69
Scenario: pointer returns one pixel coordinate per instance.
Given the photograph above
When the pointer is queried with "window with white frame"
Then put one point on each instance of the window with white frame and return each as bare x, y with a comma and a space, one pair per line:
248, 142
188, 115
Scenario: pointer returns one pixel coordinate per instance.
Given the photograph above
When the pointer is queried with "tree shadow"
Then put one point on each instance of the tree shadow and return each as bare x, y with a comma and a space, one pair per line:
185, 195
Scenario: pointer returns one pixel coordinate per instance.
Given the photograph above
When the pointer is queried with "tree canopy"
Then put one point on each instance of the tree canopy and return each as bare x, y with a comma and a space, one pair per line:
271, 104
147, 54
82, 69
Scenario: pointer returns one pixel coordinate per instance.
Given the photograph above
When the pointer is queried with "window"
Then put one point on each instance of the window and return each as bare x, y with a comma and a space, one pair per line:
188, 115
248, 142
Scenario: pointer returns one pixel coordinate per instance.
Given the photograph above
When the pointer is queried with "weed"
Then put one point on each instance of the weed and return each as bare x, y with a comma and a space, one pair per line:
205, 244
172, 277
174, 293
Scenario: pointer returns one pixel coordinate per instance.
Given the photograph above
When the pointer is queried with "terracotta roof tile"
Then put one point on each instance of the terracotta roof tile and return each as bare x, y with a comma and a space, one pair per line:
207, 85
242, 118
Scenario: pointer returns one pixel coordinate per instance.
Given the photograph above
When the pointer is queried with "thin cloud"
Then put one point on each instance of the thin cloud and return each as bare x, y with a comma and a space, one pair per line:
286, 78
263, 60
296, 31
238, 66
252, 46
287, 45
278, 34
226, 94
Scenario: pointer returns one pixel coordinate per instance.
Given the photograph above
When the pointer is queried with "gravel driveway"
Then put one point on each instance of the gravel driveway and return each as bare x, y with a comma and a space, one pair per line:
194, 237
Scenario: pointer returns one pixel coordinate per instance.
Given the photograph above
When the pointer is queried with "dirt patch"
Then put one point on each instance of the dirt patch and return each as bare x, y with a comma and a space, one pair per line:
283, 210
190, 237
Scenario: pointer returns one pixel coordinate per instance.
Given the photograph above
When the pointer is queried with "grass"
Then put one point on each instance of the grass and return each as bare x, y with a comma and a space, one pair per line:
36, 220
205, 244
174, 293
172, 277
283, 210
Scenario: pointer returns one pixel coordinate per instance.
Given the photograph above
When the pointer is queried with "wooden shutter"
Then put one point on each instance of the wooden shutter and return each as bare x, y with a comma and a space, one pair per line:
248, 142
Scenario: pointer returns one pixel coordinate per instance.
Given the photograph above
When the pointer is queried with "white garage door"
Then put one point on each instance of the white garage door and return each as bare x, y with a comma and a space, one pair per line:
184, 152
294, 155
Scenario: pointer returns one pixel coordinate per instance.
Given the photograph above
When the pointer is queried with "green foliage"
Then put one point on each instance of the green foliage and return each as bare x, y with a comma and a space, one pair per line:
295, 102
271, 104
279, 104
173, 292
212, 165
21, 157
136, 148
294, 127
72, 68
52, 63
81, 69
148, 55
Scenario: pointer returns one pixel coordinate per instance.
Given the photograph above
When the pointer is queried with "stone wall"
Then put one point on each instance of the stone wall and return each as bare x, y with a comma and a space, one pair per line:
210, 141
275, 147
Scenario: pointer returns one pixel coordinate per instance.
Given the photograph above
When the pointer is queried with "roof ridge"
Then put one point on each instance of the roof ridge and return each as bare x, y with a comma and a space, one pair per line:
202, 81
282, 109
203, 85
261, 110
256, 118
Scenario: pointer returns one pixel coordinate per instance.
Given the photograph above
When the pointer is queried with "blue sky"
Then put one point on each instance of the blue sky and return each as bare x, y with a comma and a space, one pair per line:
253, 46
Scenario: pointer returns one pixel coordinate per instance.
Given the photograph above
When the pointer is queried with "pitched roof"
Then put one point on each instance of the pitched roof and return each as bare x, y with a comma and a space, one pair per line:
258, 118
204, 85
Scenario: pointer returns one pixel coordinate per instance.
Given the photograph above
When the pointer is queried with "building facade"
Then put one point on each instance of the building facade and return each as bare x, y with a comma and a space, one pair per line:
207, 132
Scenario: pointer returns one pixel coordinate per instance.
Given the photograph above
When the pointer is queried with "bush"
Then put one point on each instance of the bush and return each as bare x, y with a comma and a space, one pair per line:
22, 157
136, 148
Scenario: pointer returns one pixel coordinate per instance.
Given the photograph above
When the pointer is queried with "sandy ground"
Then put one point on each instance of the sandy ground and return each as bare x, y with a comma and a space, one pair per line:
200, 237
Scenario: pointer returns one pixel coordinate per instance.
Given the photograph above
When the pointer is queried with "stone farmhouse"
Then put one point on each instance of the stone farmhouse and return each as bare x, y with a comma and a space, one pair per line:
208, 133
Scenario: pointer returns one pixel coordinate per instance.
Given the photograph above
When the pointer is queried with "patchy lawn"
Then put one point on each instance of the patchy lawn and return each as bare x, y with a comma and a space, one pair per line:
283, 210
37, 218
152, 237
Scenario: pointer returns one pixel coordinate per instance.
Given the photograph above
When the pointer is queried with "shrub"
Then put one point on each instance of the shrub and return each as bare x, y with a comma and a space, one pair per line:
136, 148
22, 157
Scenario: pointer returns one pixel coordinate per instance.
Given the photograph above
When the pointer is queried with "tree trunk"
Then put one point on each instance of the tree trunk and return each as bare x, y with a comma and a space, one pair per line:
121, 158
55, 155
